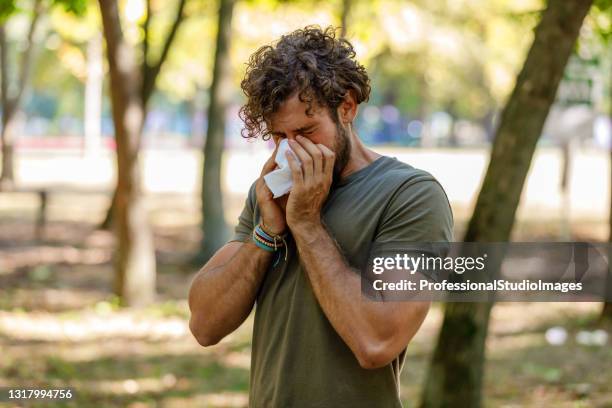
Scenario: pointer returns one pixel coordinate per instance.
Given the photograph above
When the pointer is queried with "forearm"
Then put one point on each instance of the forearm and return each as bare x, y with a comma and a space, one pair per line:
221, 297
337, 288
369, 328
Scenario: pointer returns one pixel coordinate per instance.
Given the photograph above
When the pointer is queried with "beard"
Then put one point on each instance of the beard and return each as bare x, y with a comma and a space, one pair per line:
342, 150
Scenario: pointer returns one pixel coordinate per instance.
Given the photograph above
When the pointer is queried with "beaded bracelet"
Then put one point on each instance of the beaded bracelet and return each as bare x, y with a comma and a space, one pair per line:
269, 242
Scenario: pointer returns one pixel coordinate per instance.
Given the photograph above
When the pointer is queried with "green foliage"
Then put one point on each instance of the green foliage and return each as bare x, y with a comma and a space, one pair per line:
601, 20
542, 373
431, 55
10, 7
78, 7
7, 8
399, 81
60, 369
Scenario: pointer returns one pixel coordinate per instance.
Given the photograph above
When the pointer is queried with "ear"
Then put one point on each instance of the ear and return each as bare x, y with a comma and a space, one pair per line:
347, 109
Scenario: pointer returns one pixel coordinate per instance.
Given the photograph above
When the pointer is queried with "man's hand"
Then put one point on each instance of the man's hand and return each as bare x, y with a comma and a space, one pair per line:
272, 212
311, 183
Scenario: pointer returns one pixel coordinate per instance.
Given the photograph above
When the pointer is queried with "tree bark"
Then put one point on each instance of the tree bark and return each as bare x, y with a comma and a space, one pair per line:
135, 256
6, 172
108, 218
344, 17
7, 175
606, 312
215, 231
455, 374
150, 72
11, 103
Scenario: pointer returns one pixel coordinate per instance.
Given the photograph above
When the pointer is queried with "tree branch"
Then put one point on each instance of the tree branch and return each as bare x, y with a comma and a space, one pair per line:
4, 74
150, 72
145, 40
344, 17
26, 59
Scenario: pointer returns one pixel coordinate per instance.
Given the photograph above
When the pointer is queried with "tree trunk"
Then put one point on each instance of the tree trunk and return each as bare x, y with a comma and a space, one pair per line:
344, 17
215, 231
149, 73
455, 375
108, 218
453, 140
7, 176
606, 312
135, 257
11, 103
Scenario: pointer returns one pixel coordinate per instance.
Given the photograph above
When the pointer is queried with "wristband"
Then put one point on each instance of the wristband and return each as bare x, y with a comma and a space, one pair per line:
273, 241
263, 246
269, 242
269, 235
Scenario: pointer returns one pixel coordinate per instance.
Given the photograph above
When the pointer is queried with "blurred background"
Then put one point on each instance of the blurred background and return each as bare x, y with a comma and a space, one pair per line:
76, 122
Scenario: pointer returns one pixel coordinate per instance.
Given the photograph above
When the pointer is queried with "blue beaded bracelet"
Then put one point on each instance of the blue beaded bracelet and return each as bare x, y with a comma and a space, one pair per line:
262, 245
269, 243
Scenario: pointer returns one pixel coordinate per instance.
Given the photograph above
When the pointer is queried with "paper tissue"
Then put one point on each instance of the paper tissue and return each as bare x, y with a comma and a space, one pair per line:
279, 181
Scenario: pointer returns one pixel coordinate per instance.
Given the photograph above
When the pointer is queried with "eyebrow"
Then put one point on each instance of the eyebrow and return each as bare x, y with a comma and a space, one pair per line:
299, 130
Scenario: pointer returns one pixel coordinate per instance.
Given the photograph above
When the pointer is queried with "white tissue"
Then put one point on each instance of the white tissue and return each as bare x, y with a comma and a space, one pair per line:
279, 181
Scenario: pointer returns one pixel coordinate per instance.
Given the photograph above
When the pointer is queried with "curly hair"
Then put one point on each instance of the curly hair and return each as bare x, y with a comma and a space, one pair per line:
310, 61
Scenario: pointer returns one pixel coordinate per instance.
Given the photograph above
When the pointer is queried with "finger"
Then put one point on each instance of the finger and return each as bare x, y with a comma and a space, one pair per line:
304, 157
262, 190
330, 158
270, 163
296, 170
314, 152
282, 201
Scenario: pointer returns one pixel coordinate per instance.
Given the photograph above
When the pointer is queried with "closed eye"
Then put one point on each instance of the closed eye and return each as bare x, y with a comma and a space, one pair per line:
307, 131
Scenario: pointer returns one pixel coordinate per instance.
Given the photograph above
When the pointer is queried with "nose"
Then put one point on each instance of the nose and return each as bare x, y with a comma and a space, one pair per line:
277, 138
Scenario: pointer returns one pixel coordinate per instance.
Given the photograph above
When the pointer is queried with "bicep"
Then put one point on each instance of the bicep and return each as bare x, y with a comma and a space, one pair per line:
245, 226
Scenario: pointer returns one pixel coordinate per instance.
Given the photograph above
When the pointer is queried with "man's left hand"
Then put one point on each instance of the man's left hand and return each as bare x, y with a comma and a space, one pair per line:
311, 183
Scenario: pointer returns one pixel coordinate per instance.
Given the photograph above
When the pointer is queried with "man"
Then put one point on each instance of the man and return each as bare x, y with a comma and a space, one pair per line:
317, 342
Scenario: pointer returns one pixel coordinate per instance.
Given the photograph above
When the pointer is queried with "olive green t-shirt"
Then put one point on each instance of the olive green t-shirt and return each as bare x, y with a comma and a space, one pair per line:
298, 359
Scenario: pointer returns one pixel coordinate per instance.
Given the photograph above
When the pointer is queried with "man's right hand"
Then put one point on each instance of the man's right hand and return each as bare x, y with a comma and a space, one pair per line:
272, 214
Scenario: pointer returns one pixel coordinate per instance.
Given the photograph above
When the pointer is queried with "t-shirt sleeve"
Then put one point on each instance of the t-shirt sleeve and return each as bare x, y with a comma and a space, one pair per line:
244, 228
419, 211
418, 219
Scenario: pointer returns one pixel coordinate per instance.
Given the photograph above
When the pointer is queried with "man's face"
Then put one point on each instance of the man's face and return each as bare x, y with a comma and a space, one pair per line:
291, 120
